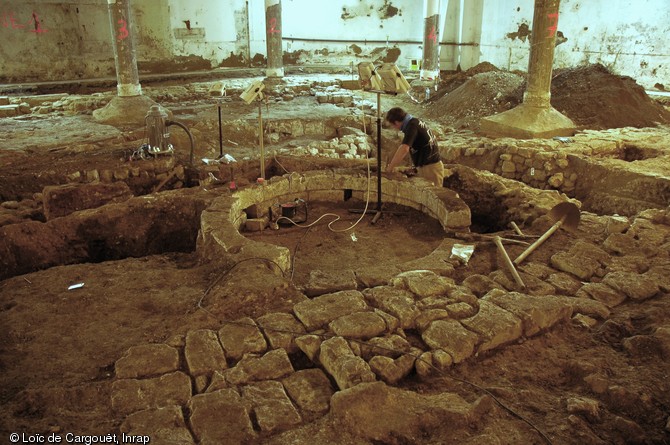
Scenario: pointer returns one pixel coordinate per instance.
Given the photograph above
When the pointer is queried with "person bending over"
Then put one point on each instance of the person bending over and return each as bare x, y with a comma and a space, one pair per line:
420, 143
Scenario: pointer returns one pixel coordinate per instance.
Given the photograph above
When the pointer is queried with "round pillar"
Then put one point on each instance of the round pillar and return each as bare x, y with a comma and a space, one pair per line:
541, 60
430, 65
273, 27
127, 77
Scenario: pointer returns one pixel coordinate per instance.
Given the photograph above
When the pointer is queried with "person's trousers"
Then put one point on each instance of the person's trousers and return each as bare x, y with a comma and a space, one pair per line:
432, 172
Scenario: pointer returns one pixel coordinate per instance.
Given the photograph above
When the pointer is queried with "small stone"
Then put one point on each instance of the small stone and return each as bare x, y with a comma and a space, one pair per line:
586, 407
585, 321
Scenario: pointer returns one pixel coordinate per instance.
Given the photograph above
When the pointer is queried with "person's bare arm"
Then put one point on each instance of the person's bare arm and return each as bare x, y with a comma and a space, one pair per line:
398, 157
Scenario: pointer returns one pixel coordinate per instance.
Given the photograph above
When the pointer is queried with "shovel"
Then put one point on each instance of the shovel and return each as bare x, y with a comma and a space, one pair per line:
564, 214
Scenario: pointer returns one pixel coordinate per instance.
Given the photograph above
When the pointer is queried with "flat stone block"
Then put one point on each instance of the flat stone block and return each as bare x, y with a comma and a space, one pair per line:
423, 283
310, 389
203, 353
340, 362
636, 286
602, 293
220, 417
242, 337
273, 365
256, 224
272, 407
323, 282
397, 302
163, 425
536, 313
146, 361
451, 336
279, 329
495, 326
321, 310
361, 325
129, 396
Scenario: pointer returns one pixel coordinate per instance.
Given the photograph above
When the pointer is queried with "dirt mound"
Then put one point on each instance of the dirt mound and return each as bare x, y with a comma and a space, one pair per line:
449, 81
482, 95
595, 98
483, 67
590, 95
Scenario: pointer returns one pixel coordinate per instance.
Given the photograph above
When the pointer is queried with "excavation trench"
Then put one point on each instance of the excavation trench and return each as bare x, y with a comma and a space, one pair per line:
411, 233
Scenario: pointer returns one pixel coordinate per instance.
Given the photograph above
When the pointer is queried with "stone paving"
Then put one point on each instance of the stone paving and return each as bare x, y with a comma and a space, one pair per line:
240, 382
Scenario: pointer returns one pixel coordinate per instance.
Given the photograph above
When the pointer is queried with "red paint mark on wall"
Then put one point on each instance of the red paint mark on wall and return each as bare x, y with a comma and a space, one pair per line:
552, 28
36, 25
432, 35
8, 20
123, 30
273, 26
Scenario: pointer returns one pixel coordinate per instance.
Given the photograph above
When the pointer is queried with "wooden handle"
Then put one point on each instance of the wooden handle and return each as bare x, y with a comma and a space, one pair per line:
516, 228
538, 242
508, 262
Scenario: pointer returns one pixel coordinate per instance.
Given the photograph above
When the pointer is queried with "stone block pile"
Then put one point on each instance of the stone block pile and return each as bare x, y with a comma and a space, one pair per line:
240, 381
244, 371
557, 164
344, 147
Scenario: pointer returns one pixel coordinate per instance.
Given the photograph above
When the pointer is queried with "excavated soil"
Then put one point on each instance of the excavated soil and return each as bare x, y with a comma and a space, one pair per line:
58, 346
590, 95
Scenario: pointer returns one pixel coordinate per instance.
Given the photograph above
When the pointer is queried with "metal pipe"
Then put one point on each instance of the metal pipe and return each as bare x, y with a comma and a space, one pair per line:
220, 131
379, 152
366, 42
190, 136
260, 139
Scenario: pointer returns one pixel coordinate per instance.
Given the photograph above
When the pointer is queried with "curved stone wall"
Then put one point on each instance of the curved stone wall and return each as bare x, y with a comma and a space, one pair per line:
219, 236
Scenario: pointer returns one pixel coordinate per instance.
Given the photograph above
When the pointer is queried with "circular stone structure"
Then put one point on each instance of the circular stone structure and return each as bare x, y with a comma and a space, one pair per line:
220, 238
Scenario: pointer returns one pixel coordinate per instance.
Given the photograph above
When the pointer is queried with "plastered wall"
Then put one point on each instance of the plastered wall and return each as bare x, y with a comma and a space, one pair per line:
630, 37
46, 40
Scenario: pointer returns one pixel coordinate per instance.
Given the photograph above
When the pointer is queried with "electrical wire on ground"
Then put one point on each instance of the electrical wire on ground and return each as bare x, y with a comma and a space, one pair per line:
326, 336
337, 217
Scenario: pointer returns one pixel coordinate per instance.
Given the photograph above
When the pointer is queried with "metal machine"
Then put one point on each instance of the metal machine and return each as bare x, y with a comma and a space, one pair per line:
289, 213
158, 136
157, 132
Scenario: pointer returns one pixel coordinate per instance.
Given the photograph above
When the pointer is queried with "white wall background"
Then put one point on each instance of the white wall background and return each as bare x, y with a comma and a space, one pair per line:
630, 37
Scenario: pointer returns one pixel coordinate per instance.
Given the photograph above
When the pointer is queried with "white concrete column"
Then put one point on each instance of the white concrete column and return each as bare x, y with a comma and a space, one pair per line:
127, 77
450, 51
473, 13
273, 27
430, 66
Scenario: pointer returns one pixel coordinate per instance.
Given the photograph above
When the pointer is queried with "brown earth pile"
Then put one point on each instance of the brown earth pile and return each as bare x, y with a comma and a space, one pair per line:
484, 94
595, 98
591, 96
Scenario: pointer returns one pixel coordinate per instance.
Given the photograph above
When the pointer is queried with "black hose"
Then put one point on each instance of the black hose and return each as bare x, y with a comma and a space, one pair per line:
190, 136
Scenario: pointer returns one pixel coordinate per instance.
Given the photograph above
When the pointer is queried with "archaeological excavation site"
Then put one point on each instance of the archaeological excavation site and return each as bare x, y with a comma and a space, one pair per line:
287, 222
